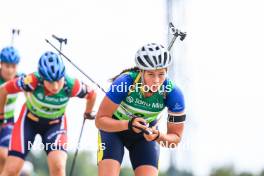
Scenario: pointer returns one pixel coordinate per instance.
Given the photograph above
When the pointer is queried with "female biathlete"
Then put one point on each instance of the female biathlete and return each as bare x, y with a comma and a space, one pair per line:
151, 92
47, 93
9, 58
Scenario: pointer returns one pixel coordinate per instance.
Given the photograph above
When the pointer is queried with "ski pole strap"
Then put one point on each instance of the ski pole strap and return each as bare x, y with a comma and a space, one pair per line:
157, 136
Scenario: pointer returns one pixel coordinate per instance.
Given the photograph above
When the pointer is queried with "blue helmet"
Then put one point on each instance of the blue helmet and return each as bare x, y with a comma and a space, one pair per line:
9, 55
51, 67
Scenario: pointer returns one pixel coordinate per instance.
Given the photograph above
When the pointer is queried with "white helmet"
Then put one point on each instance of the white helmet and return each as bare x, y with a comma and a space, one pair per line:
152, 57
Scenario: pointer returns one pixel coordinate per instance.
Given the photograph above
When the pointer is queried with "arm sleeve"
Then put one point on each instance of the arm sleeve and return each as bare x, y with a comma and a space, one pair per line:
81, 90
175, 100
119, 89
22, 83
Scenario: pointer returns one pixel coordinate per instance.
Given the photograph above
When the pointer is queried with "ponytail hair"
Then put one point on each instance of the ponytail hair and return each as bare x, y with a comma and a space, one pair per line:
136, 69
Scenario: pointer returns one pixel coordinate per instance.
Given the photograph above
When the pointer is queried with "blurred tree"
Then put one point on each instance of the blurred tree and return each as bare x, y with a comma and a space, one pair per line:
39, 161
246, 174
261, 173
223, 171
84, 164
126, 171
183, 173
178, 172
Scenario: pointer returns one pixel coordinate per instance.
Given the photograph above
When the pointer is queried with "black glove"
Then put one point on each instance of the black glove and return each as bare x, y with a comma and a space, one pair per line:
89, 116
131, 126
157, 136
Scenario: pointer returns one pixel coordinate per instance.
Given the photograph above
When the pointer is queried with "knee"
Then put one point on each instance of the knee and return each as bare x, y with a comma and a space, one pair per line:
57, 163
108, 167
58, 168
10, 171
2, 160
146, 170
3, 156
12, 166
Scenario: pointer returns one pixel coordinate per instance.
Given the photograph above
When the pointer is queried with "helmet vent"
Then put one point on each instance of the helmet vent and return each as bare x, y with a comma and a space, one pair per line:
52, 69
141, 62
148, 60
155, 60
165, 58
159, 58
